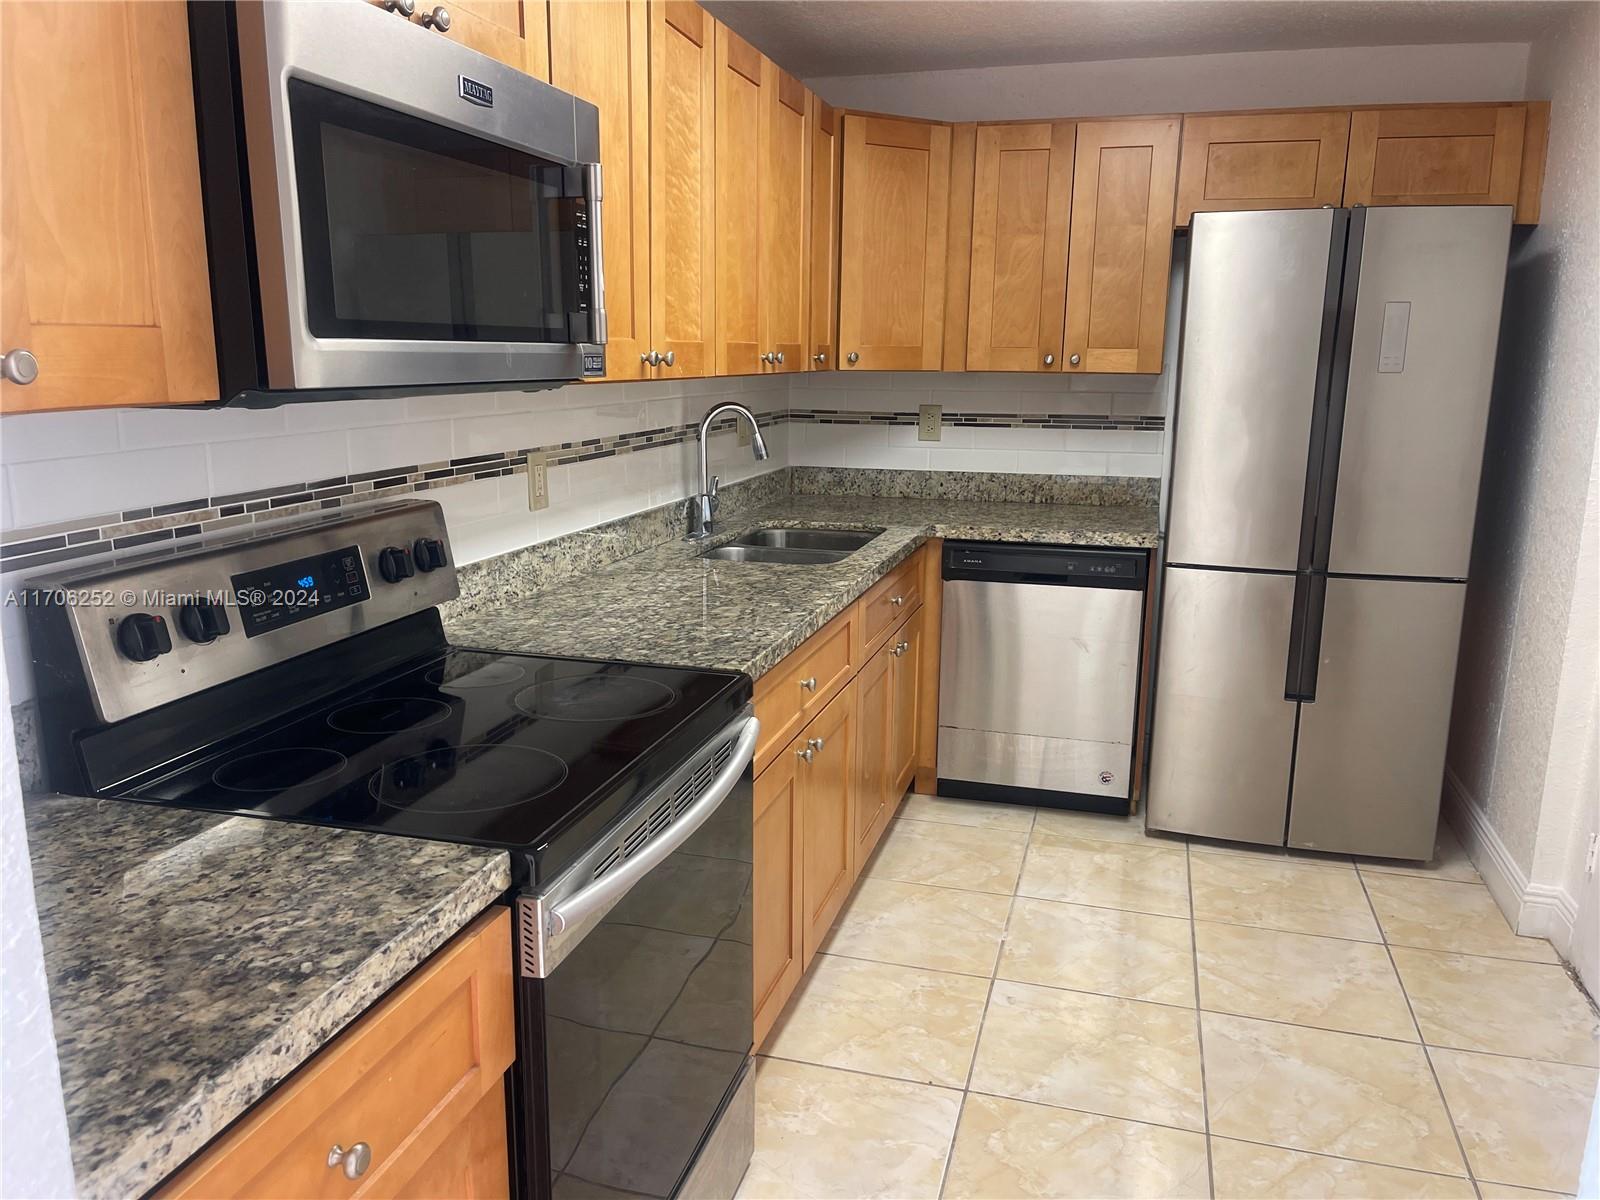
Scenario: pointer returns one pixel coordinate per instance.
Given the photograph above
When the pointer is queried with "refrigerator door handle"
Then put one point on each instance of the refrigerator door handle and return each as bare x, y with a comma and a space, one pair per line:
1338, 393
1305, 637
1334, 320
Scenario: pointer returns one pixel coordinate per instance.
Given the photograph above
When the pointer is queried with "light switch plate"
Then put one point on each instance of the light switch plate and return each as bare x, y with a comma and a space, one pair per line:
930, 422
538, 483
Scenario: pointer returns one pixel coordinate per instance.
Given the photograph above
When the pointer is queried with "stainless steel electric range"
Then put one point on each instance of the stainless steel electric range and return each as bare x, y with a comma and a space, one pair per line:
303, 674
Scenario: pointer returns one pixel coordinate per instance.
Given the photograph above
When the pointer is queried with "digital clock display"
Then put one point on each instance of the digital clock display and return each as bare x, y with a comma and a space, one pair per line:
293, 591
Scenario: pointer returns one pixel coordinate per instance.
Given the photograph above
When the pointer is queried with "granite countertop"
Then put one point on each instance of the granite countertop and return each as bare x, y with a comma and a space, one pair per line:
668, 605
194, 960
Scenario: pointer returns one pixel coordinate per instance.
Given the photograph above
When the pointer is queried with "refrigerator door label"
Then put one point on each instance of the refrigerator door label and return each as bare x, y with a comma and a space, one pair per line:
1392, 344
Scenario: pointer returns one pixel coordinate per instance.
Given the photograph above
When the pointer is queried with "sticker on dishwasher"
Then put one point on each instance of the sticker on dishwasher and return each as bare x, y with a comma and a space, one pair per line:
1106, 777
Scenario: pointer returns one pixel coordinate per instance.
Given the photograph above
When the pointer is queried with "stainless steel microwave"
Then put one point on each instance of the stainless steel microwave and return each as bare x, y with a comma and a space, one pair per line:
387, 211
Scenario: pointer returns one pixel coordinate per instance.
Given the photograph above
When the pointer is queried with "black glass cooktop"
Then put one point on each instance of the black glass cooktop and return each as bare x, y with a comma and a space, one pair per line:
507, 750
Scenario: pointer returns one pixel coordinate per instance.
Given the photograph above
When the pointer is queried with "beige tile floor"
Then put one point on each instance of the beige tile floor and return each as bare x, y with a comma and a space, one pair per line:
1017, 1003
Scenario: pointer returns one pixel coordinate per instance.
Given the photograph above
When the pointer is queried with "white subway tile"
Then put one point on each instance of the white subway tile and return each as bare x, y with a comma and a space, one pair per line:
1147, 466
1062, 462
1008, 438
972, 460
270, 461
951, 437
1139, 404
339, 414
59, 489
27, 437
891, 458
400, 445
502, 431
429, 408
479, 499
1124, 441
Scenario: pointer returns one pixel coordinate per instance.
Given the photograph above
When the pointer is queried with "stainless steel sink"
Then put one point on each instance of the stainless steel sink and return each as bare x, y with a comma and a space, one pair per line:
734, 552
807, 539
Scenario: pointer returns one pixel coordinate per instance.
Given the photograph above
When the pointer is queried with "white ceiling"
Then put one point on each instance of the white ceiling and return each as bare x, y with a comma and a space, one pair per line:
816, 38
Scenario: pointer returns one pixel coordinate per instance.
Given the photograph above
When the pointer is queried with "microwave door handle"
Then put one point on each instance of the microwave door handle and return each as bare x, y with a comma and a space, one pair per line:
597, 273
614, 884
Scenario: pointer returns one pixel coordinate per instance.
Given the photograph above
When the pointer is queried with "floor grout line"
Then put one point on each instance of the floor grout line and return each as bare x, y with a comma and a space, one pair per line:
1444, 1101
1199, 1029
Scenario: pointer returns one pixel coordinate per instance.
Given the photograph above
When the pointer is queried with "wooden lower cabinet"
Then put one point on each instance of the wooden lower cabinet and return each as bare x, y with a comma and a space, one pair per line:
825, 780
825, 796
420, 1080
776, 933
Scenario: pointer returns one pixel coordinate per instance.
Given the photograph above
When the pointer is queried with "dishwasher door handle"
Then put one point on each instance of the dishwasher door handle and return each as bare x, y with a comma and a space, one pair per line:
616, 883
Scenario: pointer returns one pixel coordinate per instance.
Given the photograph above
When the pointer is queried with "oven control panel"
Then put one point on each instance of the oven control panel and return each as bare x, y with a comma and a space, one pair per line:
147, 629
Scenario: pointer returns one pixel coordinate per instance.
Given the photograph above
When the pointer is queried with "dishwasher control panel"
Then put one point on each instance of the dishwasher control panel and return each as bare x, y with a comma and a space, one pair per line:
1068, 566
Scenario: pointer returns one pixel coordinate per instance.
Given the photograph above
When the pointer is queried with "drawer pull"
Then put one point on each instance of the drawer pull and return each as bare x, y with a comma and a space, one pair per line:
900, 648
897, 601
808, 753
810, 684
355, 1160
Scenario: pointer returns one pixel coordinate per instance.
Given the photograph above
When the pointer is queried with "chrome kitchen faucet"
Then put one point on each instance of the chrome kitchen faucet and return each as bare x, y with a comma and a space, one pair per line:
703, 506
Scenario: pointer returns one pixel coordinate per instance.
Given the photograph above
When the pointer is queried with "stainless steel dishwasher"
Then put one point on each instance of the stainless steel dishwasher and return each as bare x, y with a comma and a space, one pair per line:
1039, 674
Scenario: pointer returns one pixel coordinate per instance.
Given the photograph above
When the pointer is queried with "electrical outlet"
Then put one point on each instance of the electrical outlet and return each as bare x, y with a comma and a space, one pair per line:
930, 422
538, 483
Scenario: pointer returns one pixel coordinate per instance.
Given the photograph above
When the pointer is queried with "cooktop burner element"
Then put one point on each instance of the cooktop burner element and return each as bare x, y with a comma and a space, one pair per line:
474, 671
465, 779
279, 770
390, 714
595, 698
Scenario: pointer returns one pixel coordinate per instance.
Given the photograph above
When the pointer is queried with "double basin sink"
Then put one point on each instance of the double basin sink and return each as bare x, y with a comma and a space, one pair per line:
798, 547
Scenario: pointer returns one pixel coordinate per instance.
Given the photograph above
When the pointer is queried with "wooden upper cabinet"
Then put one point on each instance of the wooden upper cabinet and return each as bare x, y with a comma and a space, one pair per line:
1021, 205
892, 244
1237, 161
683, 84
827, 150
738, 226
1470, 154
785, 212
1120, 252
103, 274
599, 50
515, 32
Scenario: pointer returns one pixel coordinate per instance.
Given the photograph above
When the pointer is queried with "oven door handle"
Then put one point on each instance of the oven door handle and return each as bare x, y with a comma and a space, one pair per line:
614, 884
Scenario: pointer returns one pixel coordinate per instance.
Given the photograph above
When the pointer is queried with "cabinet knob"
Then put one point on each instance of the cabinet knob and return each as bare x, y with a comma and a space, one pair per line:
1049, 360
900, 648
808, 753
20, 367
815, 743
406, 8
651, 359
670, 357
897, 601
1075, 359
819, 358
768, 358
355, 1160
810, 685
852, 358
438, 19
777, 357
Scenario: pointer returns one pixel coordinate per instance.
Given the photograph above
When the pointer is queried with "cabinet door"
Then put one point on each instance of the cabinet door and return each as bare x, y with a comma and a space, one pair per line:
103, 273
1123, 177
892, 244
827, 153
785, 266
1240, 161
775, 888
907, 656
738, 226
825, 783
1021, 203
474, 1163
600, 50
515, 32
682, 186
1444, 155
875, 732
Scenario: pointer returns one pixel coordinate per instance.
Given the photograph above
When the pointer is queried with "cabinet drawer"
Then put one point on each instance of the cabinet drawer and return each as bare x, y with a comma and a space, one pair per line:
402, 1079
797, 688
888, 601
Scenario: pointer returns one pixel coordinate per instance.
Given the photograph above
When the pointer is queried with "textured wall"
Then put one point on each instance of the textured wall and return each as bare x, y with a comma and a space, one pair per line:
1537, 466
1259, 79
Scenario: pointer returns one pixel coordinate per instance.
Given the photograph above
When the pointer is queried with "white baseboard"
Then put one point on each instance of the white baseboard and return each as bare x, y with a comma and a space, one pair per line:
1533, 909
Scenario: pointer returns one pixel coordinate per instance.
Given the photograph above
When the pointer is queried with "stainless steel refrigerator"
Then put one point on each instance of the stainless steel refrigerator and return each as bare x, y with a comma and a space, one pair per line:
1333, 390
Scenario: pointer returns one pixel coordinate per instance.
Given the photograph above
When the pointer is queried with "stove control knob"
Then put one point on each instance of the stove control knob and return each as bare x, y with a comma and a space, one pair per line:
429, 553
203, 621
143, 636
394, 564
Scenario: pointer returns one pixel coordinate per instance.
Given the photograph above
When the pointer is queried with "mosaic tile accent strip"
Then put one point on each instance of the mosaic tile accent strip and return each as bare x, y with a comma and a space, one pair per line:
1103, 490
978, 420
